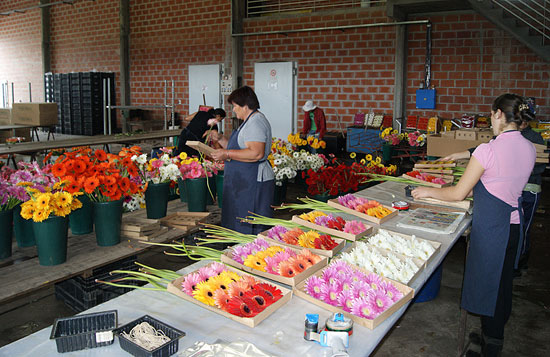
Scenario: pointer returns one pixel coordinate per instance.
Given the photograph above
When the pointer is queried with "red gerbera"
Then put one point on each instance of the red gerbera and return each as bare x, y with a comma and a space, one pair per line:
124, 184
79, 166
259, 299
273, 293
241, 306
91, 184
100, 155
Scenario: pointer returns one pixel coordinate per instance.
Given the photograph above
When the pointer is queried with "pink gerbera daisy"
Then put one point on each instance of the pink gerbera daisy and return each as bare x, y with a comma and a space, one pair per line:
345, 299
342, 267
346, 282
272, 265
362, 308
379, 301
358, 276
330, 275
217, 267
373, 280
330, 293
360, 289
391, 291
189, 283
314, 286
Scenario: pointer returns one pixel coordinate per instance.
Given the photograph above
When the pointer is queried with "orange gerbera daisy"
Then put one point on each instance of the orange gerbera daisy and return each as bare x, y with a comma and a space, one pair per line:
91, 184
58, 170
100, 155
109, 181
132, 170
79, 166
71, 184
124, 184
69, 165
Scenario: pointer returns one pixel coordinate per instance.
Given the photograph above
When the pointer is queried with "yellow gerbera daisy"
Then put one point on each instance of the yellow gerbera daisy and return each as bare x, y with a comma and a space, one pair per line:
63, 199
362, 162
183, 155
231, 275
41, 214
43, 201
255, 263
204, 292
378, 159
368, 157
57, 185
27, 209
353, 155
220, 281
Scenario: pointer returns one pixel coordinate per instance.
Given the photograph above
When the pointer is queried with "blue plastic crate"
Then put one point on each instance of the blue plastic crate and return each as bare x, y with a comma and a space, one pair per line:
363, 141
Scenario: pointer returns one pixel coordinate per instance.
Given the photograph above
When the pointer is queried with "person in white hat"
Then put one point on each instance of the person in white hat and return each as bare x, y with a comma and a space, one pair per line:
314, 121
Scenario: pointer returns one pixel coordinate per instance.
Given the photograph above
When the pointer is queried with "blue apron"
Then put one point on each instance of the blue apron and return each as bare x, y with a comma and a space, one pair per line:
485, 258
242, 193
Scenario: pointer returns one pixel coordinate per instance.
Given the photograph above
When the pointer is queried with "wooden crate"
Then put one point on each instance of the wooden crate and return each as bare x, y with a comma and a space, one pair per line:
141, 228
433, 164
407, 292
332, 232
443, 171
227, 259
334, 203
184, 220
174, 288
322, 252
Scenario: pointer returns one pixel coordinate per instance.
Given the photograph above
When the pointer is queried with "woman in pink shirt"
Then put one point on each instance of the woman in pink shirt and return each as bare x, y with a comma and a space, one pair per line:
496, 173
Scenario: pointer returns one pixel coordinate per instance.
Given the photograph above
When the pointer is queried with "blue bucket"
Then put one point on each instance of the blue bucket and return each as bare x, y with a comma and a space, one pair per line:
430, 290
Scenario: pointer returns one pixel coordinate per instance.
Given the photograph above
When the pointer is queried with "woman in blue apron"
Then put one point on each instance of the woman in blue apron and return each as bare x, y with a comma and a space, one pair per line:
496, 173
248, 178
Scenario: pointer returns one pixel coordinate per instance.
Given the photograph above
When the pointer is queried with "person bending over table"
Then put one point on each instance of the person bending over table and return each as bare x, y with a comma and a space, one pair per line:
497, 173
530, 197
249, 180
199, 123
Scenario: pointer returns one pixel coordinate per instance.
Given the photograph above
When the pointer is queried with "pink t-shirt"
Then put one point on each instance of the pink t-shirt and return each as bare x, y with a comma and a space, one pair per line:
508, 161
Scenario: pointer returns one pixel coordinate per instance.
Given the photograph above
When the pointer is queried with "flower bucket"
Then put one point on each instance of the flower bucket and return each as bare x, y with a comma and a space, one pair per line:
182, 189
173, 192
387, 151
156, 199
51, 240
107, 220
81, 221
6, 230
22, 229
219, 187
279, 194
299, 180
323, 197
196, 194
211, 191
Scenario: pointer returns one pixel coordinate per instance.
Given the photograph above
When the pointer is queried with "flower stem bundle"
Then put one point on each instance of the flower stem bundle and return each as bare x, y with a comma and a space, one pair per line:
309, 204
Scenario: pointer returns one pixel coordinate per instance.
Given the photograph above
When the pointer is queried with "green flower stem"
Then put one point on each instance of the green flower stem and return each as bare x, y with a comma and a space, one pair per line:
258, 219
309, 204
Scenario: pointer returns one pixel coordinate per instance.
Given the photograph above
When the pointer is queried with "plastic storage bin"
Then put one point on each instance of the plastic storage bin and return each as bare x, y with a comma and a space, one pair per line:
168, 349
84, 331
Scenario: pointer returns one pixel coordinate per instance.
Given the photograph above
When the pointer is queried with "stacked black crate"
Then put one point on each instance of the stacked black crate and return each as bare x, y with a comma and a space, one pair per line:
48, 87
58, 99
66, 117
76, 103
110, 78
92, 103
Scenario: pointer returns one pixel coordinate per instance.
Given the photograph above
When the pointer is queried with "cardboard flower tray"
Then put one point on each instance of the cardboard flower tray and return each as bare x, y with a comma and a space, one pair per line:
334, 203
227, 259
326, 253
175, 288
432, 164
332, 232
407, 292
184, 220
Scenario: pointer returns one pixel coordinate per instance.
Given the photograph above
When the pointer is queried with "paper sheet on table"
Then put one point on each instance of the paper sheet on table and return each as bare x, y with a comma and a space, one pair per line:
226, 349
432, 220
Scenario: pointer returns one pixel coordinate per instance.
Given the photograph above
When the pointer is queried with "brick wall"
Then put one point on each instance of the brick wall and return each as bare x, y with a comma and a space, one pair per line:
473, 62
20, 51
342, 71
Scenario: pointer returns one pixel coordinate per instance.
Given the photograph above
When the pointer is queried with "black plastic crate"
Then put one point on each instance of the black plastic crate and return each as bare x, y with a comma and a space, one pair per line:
84, 331
168, 349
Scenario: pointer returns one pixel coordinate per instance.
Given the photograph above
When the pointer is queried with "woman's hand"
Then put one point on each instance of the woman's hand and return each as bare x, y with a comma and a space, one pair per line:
421, 192
219, 155
213, 135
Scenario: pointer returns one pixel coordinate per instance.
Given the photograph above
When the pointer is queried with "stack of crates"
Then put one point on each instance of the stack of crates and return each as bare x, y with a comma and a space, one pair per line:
79, 98
82, 292
66, 117
48, 87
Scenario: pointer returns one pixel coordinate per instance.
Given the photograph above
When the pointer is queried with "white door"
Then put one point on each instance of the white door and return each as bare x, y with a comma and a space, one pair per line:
274, 84
204, 85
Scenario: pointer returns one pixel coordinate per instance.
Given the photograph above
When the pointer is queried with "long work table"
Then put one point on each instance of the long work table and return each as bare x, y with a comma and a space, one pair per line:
25, 275
33, 147
281, 334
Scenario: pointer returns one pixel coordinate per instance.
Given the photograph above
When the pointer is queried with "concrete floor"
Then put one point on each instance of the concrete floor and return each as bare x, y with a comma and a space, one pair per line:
426, 329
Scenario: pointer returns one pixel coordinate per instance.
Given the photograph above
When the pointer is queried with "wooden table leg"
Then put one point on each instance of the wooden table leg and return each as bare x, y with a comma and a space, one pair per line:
462, 332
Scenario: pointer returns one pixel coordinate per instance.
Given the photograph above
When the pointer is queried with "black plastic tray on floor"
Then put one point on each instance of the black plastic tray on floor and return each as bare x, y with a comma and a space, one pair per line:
84, 331
168, 349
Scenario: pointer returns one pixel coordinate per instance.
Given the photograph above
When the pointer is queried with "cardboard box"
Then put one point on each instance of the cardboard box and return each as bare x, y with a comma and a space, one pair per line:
321, 252
333, 232
440, 146
5, 116
465, 135
39, 114
23, 132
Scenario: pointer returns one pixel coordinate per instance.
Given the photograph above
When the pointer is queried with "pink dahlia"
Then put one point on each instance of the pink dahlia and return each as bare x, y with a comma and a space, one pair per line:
314, 286
391, 291
379, 301
330, 293
362, 308
345, 299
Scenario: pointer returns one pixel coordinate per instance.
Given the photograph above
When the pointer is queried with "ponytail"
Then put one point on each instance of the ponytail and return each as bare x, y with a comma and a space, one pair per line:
514, 107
